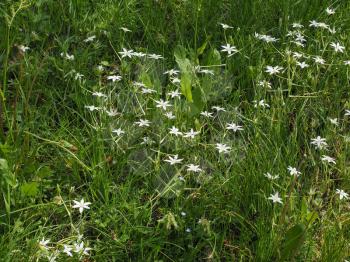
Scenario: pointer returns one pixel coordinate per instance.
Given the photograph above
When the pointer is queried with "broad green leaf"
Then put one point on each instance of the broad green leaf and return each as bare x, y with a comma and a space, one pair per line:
186, 88
30, 189
294, 239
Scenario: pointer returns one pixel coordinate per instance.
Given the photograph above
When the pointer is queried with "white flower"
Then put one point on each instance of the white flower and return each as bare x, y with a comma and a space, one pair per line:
347, 112
114, 78
43, 243
275, 198
273, 69
271, 177
230, 50
302, 64
234, 127
319, 142
223, 148
81, 205
206, 114
225, 26
78, 76
334, 121
173, 160
175, 131
193, 168
297, 25
139, 54
170, 115
183, 214
191, 133
79, 248
342, 194
218, 108
319, 60
23, 48
118, 131
90, 39
347, 62
328, 159
154, 56
261, 103
125, 29
143, 122
337, 47
174, 94
171, 72
99, 94
206, 72
315, 24
293, 171
147, 91
330, 11
67, 249
93, 108
162, 104
264, 83
127, 53
112, 112
67, 56
175, 80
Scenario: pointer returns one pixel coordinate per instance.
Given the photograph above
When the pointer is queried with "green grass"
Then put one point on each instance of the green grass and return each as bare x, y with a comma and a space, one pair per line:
54, 150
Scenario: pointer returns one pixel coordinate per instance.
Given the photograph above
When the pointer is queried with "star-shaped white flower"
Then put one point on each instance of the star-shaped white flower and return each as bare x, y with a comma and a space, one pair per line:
155, 56
114, 78
118, 131
93, 108
143, 122
302, 65
342, 194
293, 171
270, 177
275, 198
272, 70
328, 159
319, 142
173, 160
99, 94
171, 72
191, 133
223, 148
206, 114
225, 26
68, 250
163, 104
234, 127
127, 53
125, 29
43, 243
174, 94
193, 168
218, 108
81, 205
330, 11
319, 60
229, 49
175, 131
337, 47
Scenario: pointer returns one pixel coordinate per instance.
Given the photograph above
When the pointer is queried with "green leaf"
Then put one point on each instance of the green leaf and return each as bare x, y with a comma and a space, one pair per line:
30, 189
294, 239
186, 87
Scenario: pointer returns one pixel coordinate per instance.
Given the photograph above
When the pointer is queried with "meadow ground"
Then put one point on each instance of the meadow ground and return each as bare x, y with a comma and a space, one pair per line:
174, 130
